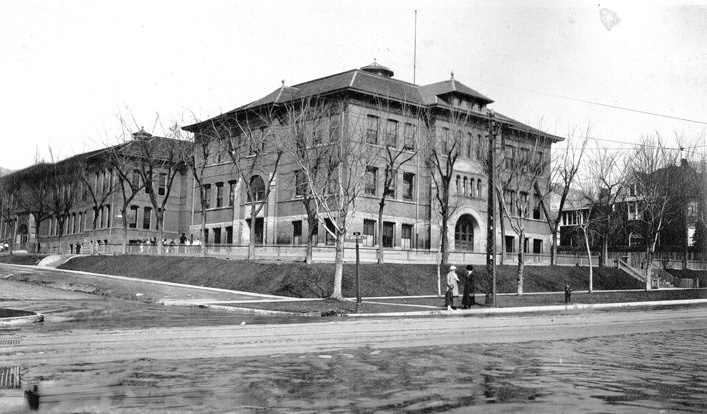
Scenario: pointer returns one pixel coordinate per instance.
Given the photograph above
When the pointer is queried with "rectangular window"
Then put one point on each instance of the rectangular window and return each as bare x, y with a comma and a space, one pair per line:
391, 135
108, 216
136, 179
372, 129
524, 155
632, 211
300, 183
370, 181
219, 195
162, 184
207, 195
146, 217
390, 189
408, 186
509, 156
523, 205
537, 208
388, 234
445, 140
232, 192
330, 240
470, 144
334, 127
369, 232
406, 236
132, 218
409, 139
206, 236
297, 232
217, 235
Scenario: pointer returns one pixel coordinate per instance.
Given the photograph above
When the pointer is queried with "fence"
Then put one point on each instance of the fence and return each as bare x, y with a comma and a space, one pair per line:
320, 254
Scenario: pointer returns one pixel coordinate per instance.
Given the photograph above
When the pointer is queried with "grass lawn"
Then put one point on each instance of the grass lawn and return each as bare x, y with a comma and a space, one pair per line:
315, 281
22, 259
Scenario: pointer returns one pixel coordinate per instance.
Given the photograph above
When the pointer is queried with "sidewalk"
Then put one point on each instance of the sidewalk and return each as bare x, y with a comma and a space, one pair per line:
168, 293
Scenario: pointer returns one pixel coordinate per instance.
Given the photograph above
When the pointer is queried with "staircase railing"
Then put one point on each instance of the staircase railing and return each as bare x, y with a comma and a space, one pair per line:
631, 271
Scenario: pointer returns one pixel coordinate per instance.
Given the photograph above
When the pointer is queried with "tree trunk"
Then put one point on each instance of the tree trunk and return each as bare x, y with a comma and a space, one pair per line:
202, 246
94, 245
379, 252
604, 250
649, 260
553, 245
160, 234
589, 258
124, 213
519, 277
339, 268
445, 240
502, 227
251, 242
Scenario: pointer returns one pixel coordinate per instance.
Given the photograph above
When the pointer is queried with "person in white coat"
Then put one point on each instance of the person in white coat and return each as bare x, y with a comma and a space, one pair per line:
453, 280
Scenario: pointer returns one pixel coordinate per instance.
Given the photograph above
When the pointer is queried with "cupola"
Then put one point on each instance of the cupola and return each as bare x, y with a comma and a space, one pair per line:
377, 69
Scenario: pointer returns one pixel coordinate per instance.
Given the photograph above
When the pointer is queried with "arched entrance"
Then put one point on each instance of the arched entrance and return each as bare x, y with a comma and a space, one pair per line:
464, 233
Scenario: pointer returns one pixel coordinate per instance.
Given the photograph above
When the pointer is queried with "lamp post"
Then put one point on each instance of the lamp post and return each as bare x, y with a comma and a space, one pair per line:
491, 206
357, 237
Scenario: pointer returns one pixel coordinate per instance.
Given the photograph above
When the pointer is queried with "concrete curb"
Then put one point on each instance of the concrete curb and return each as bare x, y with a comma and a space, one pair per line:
532, 309
19, 320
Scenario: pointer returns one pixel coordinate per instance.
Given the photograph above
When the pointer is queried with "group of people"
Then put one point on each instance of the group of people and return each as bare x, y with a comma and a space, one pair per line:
170, 246
468, 298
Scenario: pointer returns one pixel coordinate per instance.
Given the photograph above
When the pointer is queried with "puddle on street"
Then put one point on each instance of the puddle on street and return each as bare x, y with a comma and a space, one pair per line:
630, 373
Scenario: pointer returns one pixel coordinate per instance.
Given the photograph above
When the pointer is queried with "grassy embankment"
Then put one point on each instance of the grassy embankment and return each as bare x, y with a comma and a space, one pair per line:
315, 281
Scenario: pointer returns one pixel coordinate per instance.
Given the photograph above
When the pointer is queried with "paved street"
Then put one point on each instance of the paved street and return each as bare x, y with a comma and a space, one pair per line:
106, 354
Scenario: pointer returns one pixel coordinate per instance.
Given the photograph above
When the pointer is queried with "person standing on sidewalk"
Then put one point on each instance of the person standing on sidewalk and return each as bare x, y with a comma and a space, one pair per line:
453, 280
468, 298
568, 293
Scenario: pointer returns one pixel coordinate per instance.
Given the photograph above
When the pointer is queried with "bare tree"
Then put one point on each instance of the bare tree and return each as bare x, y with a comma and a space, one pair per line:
63, 183
204, 147
35, 192
521, 172
397, 152
9, 193
442, 150
127, 181
652, 177
160, 160
96, 175
249, 139
564, 170
309, 126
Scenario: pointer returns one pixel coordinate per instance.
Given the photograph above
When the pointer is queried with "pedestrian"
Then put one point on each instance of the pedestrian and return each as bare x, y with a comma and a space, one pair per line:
449, 298
453, 280
182, 242
568, 293
468, 298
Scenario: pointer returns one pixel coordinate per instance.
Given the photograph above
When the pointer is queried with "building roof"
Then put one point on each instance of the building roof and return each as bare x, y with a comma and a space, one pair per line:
376, 80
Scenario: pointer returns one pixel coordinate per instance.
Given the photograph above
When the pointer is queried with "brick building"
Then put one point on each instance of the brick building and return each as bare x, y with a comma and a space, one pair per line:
387, 113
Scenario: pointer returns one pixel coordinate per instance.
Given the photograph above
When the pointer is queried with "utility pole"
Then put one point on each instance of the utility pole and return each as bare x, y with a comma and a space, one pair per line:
491, 208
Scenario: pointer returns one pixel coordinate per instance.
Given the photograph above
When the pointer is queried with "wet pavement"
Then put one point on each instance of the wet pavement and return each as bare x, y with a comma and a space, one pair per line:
107, 354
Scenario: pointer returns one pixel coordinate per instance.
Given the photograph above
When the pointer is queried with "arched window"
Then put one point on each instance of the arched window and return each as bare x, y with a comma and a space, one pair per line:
472, 189
458, 185
257, 188
465, 187
464, 233
478, 188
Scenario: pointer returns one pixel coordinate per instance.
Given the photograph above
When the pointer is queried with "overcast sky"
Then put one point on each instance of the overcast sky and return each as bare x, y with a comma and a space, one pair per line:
69, 68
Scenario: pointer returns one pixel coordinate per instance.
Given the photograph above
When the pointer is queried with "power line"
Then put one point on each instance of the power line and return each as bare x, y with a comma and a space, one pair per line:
569, 98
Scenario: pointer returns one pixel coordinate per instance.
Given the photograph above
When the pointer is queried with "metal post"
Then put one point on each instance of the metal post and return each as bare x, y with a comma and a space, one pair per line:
491, 208
358, 285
